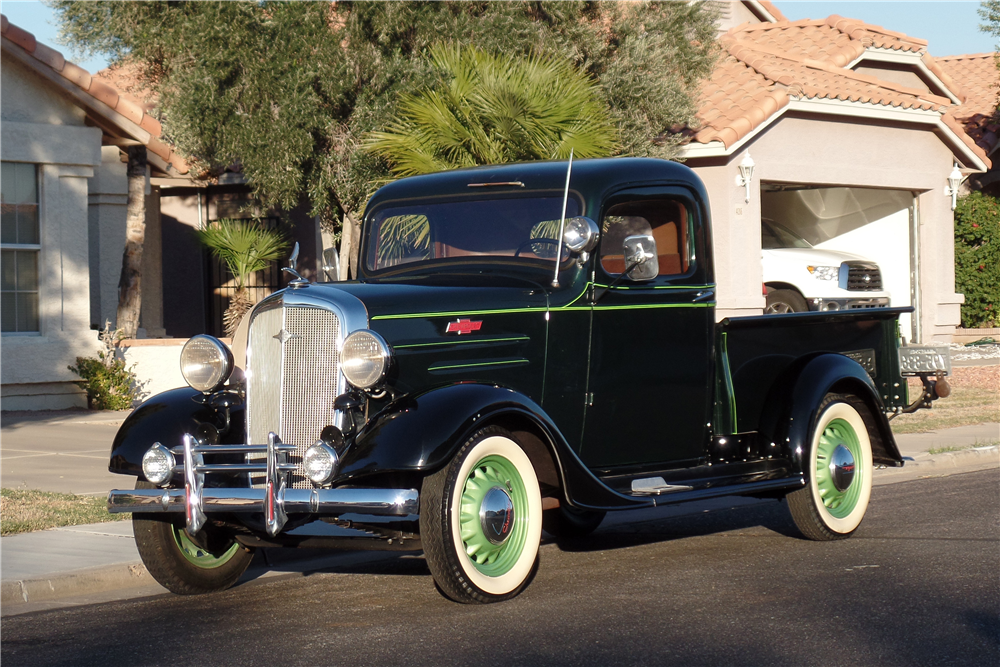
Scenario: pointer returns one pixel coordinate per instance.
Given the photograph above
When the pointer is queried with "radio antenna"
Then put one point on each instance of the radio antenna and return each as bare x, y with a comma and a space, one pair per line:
562, 221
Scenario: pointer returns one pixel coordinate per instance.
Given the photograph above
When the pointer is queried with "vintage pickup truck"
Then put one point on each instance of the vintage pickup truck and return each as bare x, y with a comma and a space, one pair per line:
527, 347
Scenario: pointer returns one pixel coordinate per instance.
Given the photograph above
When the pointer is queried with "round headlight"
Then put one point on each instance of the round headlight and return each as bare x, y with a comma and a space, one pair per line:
320, 462
364, 358
205, 363
157, 464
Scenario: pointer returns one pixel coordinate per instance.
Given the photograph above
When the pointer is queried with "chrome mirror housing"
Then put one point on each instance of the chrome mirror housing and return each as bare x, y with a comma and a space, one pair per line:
641, 261
331, 264
580, 234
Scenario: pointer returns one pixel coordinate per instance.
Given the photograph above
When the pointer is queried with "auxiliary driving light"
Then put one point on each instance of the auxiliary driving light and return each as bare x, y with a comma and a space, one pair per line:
157, 464
320, 462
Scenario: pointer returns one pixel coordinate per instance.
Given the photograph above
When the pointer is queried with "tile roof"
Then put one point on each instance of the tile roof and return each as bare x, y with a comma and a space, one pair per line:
980, 81
764, 66
102, 90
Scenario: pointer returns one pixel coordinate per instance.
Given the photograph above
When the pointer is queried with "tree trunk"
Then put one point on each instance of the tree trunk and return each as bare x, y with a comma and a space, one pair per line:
129, 285
350, 242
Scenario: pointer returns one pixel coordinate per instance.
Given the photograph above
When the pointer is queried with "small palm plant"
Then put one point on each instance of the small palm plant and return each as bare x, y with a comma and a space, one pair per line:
245, 248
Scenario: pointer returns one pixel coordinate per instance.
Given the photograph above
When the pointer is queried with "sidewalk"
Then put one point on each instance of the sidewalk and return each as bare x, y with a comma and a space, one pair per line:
99, 562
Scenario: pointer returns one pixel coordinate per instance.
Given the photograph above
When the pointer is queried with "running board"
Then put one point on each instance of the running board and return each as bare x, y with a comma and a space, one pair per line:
654, 486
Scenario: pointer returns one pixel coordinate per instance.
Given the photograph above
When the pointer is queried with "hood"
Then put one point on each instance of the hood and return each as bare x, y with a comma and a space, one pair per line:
813, 256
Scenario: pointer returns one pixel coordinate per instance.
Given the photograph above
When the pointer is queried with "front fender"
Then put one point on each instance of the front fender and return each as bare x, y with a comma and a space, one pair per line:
420, 433
166, 418
791, 409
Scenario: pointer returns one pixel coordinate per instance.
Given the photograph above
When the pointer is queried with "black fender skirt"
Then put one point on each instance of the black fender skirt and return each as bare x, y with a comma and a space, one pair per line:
166, 418
419, 433
791, 409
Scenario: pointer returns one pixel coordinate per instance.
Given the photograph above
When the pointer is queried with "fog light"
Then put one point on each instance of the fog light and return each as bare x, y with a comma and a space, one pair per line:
833, 305
320, 463
158, 464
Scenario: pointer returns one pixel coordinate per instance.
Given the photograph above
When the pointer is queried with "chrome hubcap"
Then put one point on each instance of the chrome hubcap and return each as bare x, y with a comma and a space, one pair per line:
496, 515
842, 467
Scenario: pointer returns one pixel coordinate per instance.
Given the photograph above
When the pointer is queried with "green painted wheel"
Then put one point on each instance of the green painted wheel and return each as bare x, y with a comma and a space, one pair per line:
839, 502
493, 476
481, 520
839, 471
200, 556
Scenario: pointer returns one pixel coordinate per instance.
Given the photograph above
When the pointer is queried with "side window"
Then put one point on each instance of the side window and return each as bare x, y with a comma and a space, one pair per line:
666, 220
20, 242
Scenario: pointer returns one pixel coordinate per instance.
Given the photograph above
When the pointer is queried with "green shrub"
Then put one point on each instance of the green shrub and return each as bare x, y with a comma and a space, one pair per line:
109, 384
977, 259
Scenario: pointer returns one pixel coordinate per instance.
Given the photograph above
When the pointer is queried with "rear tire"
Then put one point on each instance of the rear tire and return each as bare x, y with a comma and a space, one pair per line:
180, 565
834, 500
781, 301
473, 559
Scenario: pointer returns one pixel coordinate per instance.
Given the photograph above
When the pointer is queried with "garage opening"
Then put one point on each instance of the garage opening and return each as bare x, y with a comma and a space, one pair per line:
832, 248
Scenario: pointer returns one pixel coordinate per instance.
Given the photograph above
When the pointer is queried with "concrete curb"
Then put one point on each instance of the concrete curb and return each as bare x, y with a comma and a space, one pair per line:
80, 582
961, 458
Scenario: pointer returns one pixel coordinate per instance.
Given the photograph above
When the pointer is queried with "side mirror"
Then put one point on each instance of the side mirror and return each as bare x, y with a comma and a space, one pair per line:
641, 261
331, 264
580, 234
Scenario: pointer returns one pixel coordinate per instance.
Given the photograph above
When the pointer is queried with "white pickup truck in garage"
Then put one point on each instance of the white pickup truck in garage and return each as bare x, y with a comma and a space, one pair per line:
799, 277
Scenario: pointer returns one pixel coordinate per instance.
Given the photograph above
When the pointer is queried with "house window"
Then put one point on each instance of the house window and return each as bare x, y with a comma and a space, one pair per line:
20, 242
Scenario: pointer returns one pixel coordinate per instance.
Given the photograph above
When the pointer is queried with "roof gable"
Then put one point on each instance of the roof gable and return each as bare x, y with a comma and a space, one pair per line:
123, 119
768, 68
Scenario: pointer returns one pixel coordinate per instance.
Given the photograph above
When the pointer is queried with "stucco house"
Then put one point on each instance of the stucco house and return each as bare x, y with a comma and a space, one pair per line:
64, 211
853, 131
64, 197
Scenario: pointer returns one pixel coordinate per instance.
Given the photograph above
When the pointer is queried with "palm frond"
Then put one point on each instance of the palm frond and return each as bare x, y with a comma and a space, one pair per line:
244, 247
491, 109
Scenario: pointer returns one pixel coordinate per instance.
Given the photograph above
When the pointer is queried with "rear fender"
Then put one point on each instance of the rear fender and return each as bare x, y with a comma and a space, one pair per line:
790, 412
166, 418
420, 433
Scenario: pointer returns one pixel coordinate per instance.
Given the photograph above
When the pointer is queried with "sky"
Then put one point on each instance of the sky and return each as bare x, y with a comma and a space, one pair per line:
951, 28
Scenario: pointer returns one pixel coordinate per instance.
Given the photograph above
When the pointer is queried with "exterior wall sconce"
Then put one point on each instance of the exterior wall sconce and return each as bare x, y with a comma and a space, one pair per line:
954, 182
746, 174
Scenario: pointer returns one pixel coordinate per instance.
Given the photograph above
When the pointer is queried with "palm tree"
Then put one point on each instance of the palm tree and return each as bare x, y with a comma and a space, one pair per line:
491, 109
245, 248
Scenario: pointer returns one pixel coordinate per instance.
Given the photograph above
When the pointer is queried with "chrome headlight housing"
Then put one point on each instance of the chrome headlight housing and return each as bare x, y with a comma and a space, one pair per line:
206, 363
365, 358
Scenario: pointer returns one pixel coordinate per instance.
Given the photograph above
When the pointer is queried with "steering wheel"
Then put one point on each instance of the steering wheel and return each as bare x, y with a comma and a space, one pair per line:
530, 242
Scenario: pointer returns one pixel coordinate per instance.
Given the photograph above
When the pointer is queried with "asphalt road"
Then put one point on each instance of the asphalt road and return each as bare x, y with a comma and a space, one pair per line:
918, 584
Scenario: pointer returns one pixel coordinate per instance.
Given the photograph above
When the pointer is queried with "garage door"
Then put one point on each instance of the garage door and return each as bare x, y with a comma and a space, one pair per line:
872, 225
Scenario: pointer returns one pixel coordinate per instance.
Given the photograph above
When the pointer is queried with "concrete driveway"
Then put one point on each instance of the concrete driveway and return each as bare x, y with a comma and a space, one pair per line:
64, 451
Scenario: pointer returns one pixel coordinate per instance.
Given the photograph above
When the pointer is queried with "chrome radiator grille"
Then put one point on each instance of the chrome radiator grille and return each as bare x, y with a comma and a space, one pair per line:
863, 277
293, 368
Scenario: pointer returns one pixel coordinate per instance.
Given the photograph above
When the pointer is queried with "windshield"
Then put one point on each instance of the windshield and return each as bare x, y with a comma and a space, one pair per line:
523, 230
773, 235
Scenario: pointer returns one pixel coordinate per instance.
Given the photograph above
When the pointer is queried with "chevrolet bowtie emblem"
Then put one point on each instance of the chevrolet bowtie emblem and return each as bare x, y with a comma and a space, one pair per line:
463, 326
283, 336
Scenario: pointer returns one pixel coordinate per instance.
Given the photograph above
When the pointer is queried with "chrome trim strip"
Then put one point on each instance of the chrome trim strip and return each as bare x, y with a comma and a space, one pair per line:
377, 502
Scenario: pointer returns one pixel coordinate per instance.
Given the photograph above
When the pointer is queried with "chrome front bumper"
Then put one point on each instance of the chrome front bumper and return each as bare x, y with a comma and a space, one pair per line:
275, 500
